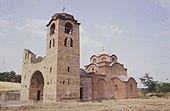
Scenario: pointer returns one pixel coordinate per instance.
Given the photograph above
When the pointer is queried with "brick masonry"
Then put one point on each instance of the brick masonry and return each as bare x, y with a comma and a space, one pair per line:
57, 76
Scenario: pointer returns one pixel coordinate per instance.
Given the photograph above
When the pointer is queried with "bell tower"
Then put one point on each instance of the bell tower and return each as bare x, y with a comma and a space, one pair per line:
62, 58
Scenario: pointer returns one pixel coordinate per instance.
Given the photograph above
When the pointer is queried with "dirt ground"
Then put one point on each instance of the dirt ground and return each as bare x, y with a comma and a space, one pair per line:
158, 104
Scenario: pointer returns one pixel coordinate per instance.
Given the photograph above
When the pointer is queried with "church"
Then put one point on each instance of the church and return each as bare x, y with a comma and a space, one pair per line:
57, 76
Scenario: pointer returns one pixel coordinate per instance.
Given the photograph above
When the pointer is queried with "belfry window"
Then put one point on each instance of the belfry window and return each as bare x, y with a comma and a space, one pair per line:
71, 42
68, 28
68, 42
52, 29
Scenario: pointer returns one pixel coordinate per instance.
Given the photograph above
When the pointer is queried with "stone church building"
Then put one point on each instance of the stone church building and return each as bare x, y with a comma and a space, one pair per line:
57, 76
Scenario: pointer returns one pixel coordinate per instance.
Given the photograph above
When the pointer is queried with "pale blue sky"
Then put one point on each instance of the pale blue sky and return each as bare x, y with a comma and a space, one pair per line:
137, 31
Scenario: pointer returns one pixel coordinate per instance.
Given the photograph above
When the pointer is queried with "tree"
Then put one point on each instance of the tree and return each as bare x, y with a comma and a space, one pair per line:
10, 77
148, 81
163, 87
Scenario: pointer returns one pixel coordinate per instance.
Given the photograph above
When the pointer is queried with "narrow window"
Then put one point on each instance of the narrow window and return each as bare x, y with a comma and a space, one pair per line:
68, 81
53, 42
131, 87
116, 88
63, 82
50, 69
68, 28
52, 29
93, 69
68, 69
50, 44
25, 55
65, 42
71, 42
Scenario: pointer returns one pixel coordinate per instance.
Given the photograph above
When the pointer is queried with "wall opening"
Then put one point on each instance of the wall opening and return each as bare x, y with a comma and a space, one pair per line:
52, 29
131, 87
81, 93
68, 28
36, 87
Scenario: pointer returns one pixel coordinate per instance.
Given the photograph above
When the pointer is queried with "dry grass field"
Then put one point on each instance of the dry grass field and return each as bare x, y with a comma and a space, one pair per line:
157, 104
6, 86
152, 104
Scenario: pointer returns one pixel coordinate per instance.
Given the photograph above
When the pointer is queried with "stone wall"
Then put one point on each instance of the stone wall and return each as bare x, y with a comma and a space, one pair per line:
9, 95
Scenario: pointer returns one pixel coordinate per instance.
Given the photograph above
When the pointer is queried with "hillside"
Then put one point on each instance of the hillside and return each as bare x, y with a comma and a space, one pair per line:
6, 86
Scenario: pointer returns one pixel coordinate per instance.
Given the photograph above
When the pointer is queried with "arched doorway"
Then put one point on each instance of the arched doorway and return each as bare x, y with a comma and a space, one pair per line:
101, 89
36, 86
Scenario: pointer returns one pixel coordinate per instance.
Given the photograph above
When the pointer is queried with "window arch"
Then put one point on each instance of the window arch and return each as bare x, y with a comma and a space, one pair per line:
53, 42
68, 28
52, 29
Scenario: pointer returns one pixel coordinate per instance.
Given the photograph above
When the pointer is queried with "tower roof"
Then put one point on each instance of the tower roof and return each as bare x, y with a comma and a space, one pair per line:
63, 16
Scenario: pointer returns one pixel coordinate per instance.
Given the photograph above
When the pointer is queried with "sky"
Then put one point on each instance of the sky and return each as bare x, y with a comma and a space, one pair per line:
137, 31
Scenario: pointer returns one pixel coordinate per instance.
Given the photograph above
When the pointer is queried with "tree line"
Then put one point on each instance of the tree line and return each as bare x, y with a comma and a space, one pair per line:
10, 77
153, 86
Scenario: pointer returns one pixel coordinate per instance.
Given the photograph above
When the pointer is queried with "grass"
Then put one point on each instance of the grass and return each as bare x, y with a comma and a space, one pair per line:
159, 104
8, 86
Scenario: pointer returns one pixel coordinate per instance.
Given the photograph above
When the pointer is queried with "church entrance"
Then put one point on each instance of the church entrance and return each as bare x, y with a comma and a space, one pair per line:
101, 89
36, 87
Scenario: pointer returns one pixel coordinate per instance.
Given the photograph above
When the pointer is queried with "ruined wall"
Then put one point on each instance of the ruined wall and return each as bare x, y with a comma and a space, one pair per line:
9, 95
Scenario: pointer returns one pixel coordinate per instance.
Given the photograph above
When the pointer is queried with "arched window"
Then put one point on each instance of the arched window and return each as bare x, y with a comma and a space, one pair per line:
71, 42
131, 87
68, 28
65, 42
113, 59
116, 88
50, 44
52, 29
94, 60
68, 42
92, 69
53, 42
